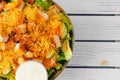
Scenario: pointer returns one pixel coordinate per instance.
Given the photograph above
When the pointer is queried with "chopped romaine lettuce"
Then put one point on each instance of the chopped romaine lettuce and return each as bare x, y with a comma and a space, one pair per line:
9, 76
66, 21
67, 50
64, 31
61, 57
50, 72
58, 66
44, 3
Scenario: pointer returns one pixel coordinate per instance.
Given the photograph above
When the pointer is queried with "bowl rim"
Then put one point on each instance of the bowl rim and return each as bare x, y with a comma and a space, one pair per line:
71, 44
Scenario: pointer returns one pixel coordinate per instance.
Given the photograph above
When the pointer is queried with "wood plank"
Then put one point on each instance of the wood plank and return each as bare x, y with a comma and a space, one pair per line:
96, 54
96, 27
90, 6
90, 74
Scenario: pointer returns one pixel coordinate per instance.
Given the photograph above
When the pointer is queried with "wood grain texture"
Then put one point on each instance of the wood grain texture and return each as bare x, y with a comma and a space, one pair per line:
96, 54
90, 6
90, 74
96, 27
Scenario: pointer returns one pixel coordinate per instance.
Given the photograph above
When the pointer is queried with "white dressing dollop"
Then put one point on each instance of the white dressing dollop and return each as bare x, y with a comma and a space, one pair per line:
31, 70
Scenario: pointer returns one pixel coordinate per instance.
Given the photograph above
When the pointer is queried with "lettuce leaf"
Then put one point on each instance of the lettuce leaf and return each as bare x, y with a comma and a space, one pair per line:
44, 3
50, 72
65, 20
9, 76
61, 57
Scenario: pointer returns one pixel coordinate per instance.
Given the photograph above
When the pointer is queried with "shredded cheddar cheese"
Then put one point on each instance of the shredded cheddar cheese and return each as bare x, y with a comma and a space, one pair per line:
37, 38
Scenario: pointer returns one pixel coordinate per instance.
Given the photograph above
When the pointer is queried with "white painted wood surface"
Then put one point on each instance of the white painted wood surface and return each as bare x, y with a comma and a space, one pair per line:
90, 6
96, 54
90, 74
96, 27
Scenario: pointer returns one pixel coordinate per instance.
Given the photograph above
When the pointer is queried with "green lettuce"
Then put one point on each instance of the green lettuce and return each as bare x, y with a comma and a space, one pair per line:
44, 3
66, 21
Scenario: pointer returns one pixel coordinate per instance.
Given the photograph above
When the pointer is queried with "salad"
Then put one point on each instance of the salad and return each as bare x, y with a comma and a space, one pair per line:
33, 30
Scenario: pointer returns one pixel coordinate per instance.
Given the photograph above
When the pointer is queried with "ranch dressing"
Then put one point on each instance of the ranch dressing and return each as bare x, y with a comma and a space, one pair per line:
31, 70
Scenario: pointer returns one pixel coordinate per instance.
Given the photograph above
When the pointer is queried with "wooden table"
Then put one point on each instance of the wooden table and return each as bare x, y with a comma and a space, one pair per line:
97, 39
